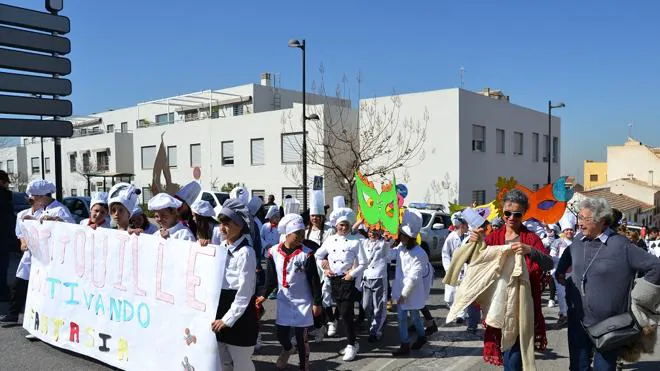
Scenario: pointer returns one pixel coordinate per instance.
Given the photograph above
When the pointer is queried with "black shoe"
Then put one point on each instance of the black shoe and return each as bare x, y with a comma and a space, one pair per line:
471, 330
419, 343
431, 329
9, 319
403, 351
411, 328
460, 321
373, 339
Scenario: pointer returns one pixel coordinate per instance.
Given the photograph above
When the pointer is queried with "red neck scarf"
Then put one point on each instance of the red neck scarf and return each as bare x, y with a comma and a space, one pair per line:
493, 336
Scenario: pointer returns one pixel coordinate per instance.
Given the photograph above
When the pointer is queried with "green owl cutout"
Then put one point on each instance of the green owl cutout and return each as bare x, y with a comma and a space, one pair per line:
379, 210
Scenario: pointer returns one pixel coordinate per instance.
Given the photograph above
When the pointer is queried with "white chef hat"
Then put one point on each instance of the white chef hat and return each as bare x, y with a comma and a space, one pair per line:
338, 202
254, 205
457, 219
241, 194
272, 211
473, 218
98, 198
555, 228
568, 221
342, 214
290, 223
163, 201
189, 192
411, 223
124, 194
40, 187
137, 210
291, 206
203, 208
317, 206
536, 227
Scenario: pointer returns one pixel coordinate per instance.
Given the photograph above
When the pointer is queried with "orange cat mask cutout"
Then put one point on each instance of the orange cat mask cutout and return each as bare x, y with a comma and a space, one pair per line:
547, 205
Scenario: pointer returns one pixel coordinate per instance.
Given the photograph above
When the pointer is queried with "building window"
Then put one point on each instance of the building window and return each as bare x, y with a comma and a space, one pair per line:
296, 193
479, 197
72, 162
2, 165
47, 165
102, 161
535, 146
292, 148
227, 154
238, 109
74, 192
518, 143
124, 127
259, 193
593, 177
165, 118
148, 157
546, 148
257, 150
146, 194
25, 142
499, 142
110, 129
171, 156
86, 164
83, 132
35, 165
195, 155
555, 150
10, 166
86, 192
96, 130
478, 138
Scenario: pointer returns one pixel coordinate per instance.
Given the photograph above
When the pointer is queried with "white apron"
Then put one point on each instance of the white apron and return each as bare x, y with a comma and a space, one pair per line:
294, 294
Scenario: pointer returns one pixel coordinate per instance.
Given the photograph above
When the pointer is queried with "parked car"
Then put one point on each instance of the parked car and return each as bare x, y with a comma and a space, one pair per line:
20, 201
78, 207
435, 224
216, 199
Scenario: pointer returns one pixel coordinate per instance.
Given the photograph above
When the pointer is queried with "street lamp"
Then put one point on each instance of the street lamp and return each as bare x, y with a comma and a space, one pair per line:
550, 107
301, 45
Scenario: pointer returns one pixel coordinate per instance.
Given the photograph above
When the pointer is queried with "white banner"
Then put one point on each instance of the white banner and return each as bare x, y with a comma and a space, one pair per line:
136, 303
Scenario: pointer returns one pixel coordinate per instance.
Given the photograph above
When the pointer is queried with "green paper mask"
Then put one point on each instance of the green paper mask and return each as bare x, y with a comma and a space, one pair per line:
378, 209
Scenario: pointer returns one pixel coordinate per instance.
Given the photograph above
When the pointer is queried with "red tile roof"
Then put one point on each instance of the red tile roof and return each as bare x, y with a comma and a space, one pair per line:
620, 202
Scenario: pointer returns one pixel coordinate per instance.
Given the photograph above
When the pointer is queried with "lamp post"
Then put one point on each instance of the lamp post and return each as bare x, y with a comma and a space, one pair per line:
43, 160
301, 45
550, 107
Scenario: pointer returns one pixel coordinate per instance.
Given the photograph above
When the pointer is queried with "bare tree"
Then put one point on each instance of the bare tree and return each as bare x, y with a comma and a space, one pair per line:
19, 180
374, 139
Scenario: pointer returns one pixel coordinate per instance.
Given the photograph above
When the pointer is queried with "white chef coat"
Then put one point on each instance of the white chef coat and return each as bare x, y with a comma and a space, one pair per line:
56, 209
179, 232
377, 256
556, 250
294, 294
24, 266
452, 243
270, 236
240, 275
106, 223
411, 266
344, 255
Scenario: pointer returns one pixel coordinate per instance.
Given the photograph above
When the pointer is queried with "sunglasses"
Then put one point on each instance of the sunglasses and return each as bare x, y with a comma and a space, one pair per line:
515, 214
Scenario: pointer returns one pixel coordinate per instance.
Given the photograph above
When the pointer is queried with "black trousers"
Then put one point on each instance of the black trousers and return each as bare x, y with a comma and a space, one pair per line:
553, 289
347, 313
4, 266
284, 337
18, 296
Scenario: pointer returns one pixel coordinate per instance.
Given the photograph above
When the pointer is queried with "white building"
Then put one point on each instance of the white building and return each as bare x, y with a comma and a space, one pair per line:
13, 161
472, 139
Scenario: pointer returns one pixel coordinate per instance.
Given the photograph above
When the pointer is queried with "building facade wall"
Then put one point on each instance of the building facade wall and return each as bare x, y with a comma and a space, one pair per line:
595, 174
633, 159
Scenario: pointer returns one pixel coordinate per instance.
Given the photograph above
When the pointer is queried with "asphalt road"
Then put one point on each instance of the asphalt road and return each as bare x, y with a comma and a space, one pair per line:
449, 349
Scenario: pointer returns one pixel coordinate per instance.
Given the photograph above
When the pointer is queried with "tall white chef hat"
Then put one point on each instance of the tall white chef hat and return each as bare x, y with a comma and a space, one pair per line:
568, 221
291, 206
124, 194
98, 198
241, 194
254, 205
189, 192
272, 212
317, 206
203, 208
40, 187
163, 201
411, 223
342, 214
473, 218
291, 223
338, 202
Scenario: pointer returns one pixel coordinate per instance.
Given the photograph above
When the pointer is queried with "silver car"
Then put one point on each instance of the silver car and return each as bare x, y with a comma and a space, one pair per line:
435, 224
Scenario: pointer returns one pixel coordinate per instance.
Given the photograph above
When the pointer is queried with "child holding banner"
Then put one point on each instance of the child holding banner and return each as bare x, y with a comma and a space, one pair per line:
140, 223
291, 267
208, 230
165, 207
122, 199
236, 324
98, 212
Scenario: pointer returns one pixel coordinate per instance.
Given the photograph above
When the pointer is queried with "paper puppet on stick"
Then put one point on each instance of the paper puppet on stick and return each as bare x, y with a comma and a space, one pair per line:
488, 211
378, 210
547, 205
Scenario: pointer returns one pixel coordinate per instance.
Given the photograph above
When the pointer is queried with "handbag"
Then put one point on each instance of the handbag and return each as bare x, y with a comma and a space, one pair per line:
616, 331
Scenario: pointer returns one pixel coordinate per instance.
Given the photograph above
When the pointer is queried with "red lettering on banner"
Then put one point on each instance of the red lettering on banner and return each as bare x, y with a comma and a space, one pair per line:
64, 240
192, 280
160, 294
122, 253
79, 252
136, 272
100, 283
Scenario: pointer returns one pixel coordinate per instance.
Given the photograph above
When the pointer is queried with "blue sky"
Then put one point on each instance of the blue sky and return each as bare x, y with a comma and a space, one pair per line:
600, 57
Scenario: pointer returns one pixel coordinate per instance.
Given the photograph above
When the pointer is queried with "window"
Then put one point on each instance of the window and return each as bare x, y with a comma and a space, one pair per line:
227, 153
83, 131
257, 150
102, 161
2, 165
25, 142
206, 196
292, 148
146, 194
86, 192
148, 157
238, 109
165, 118
479, 197
593, 177
171, 156
555, 150
499, 142
259, 193
296, 193
141, 123
546, 148
86, 164
110, 129
74, 192
478, 138
96, 130
47, 165
442, 219
195, 155
535, 146
35, 165
10, 166
517, 143
124, 127
72, 162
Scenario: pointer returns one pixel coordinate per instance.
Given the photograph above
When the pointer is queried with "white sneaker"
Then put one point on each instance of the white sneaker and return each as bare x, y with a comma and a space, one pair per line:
259, 343
319, 334
350, 352
332, 328
551, 303
31, 337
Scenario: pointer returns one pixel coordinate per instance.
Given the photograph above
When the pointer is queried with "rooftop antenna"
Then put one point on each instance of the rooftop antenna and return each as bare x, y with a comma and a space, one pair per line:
630, 126
462, 77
